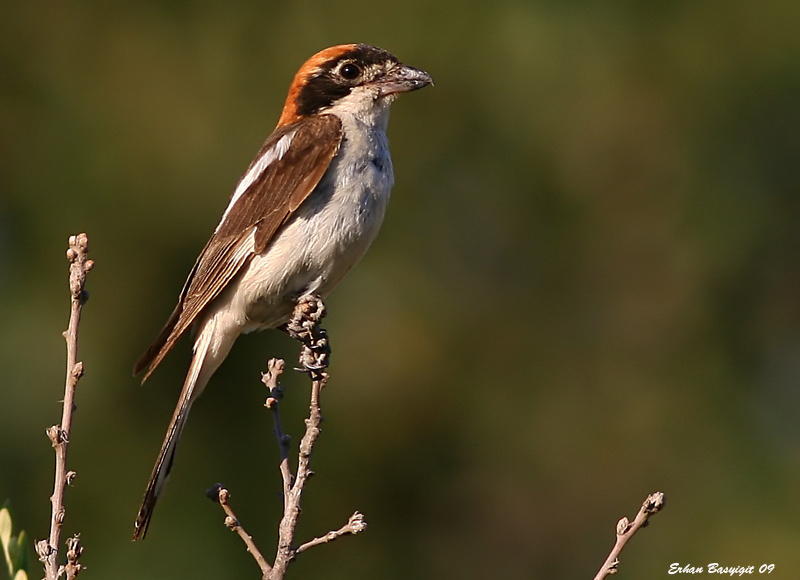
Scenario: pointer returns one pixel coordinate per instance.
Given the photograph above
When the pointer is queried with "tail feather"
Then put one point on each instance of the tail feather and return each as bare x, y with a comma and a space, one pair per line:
196, 379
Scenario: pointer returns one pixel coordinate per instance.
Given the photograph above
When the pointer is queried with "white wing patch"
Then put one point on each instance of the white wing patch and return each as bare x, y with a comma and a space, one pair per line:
274, 153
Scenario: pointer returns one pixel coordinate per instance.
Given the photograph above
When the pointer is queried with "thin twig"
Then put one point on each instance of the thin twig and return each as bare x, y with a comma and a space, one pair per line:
74, 551
270, 379
354, 525
626, 530
59, 434
221, 495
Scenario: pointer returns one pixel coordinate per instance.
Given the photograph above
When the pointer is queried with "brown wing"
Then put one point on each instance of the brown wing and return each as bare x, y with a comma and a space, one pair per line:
270, 200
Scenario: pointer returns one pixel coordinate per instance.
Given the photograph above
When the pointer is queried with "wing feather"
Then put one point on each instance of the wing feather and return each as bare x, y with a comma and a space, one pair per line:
251, 222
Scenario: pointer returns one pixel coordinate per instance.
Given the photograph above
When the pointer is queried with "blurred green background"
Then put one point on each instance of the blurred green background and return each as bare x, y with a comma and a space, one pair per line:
587, 287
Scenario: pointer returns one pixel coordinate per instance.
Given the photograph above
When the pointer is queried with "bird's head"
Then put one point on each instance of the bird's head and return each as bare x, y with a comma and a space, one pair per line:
356, 77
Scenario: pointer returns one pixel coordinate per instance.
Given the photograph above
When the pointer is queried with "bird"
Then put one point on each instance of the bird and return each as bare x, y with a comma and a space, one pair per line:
304, 213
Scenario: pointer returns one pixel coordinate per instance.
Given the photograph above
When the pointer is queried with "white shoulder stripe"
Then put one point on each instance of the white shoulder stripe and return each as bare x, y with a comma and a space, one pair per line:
274, 153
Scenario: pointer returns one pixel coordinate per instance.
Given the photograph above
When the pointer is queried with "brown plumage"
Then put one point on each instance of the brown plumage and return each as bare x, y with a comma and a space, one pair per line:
306, 210
266, 205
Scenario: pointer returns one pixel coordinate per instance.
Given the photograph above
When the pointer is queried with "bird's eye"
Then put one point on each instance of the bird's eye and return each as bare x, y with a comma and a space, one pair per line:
350, 71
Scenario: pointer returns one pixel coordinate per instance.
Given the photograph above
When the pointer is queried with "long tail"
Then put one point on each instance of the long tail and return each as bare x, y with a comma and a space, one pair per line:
200, 371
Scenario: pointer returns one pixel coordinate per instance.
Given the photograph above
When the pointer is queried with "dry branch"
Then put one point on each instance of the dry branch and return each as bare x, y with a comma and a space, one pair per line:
59, 435
304, 326
626, 530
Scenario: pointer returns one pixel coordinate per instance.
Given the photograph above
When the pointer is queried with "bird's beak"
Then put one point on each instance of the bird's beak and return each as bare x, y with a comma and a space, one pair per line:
403, 79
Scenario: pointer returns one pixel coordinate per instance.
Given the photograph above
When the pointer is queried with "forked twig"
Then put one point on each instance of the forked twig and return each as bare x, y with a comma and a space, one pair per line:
304, 326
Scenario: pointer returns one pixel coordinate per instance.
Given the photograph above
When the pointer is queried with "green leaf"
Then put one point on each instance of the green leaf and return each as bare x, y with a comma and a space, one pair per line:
18, 550
14, 548
5, 538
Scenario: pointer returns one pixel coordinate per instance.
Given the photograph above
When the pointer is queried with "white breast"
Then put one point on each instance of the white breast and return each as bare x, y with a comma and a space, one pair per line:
328, 235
